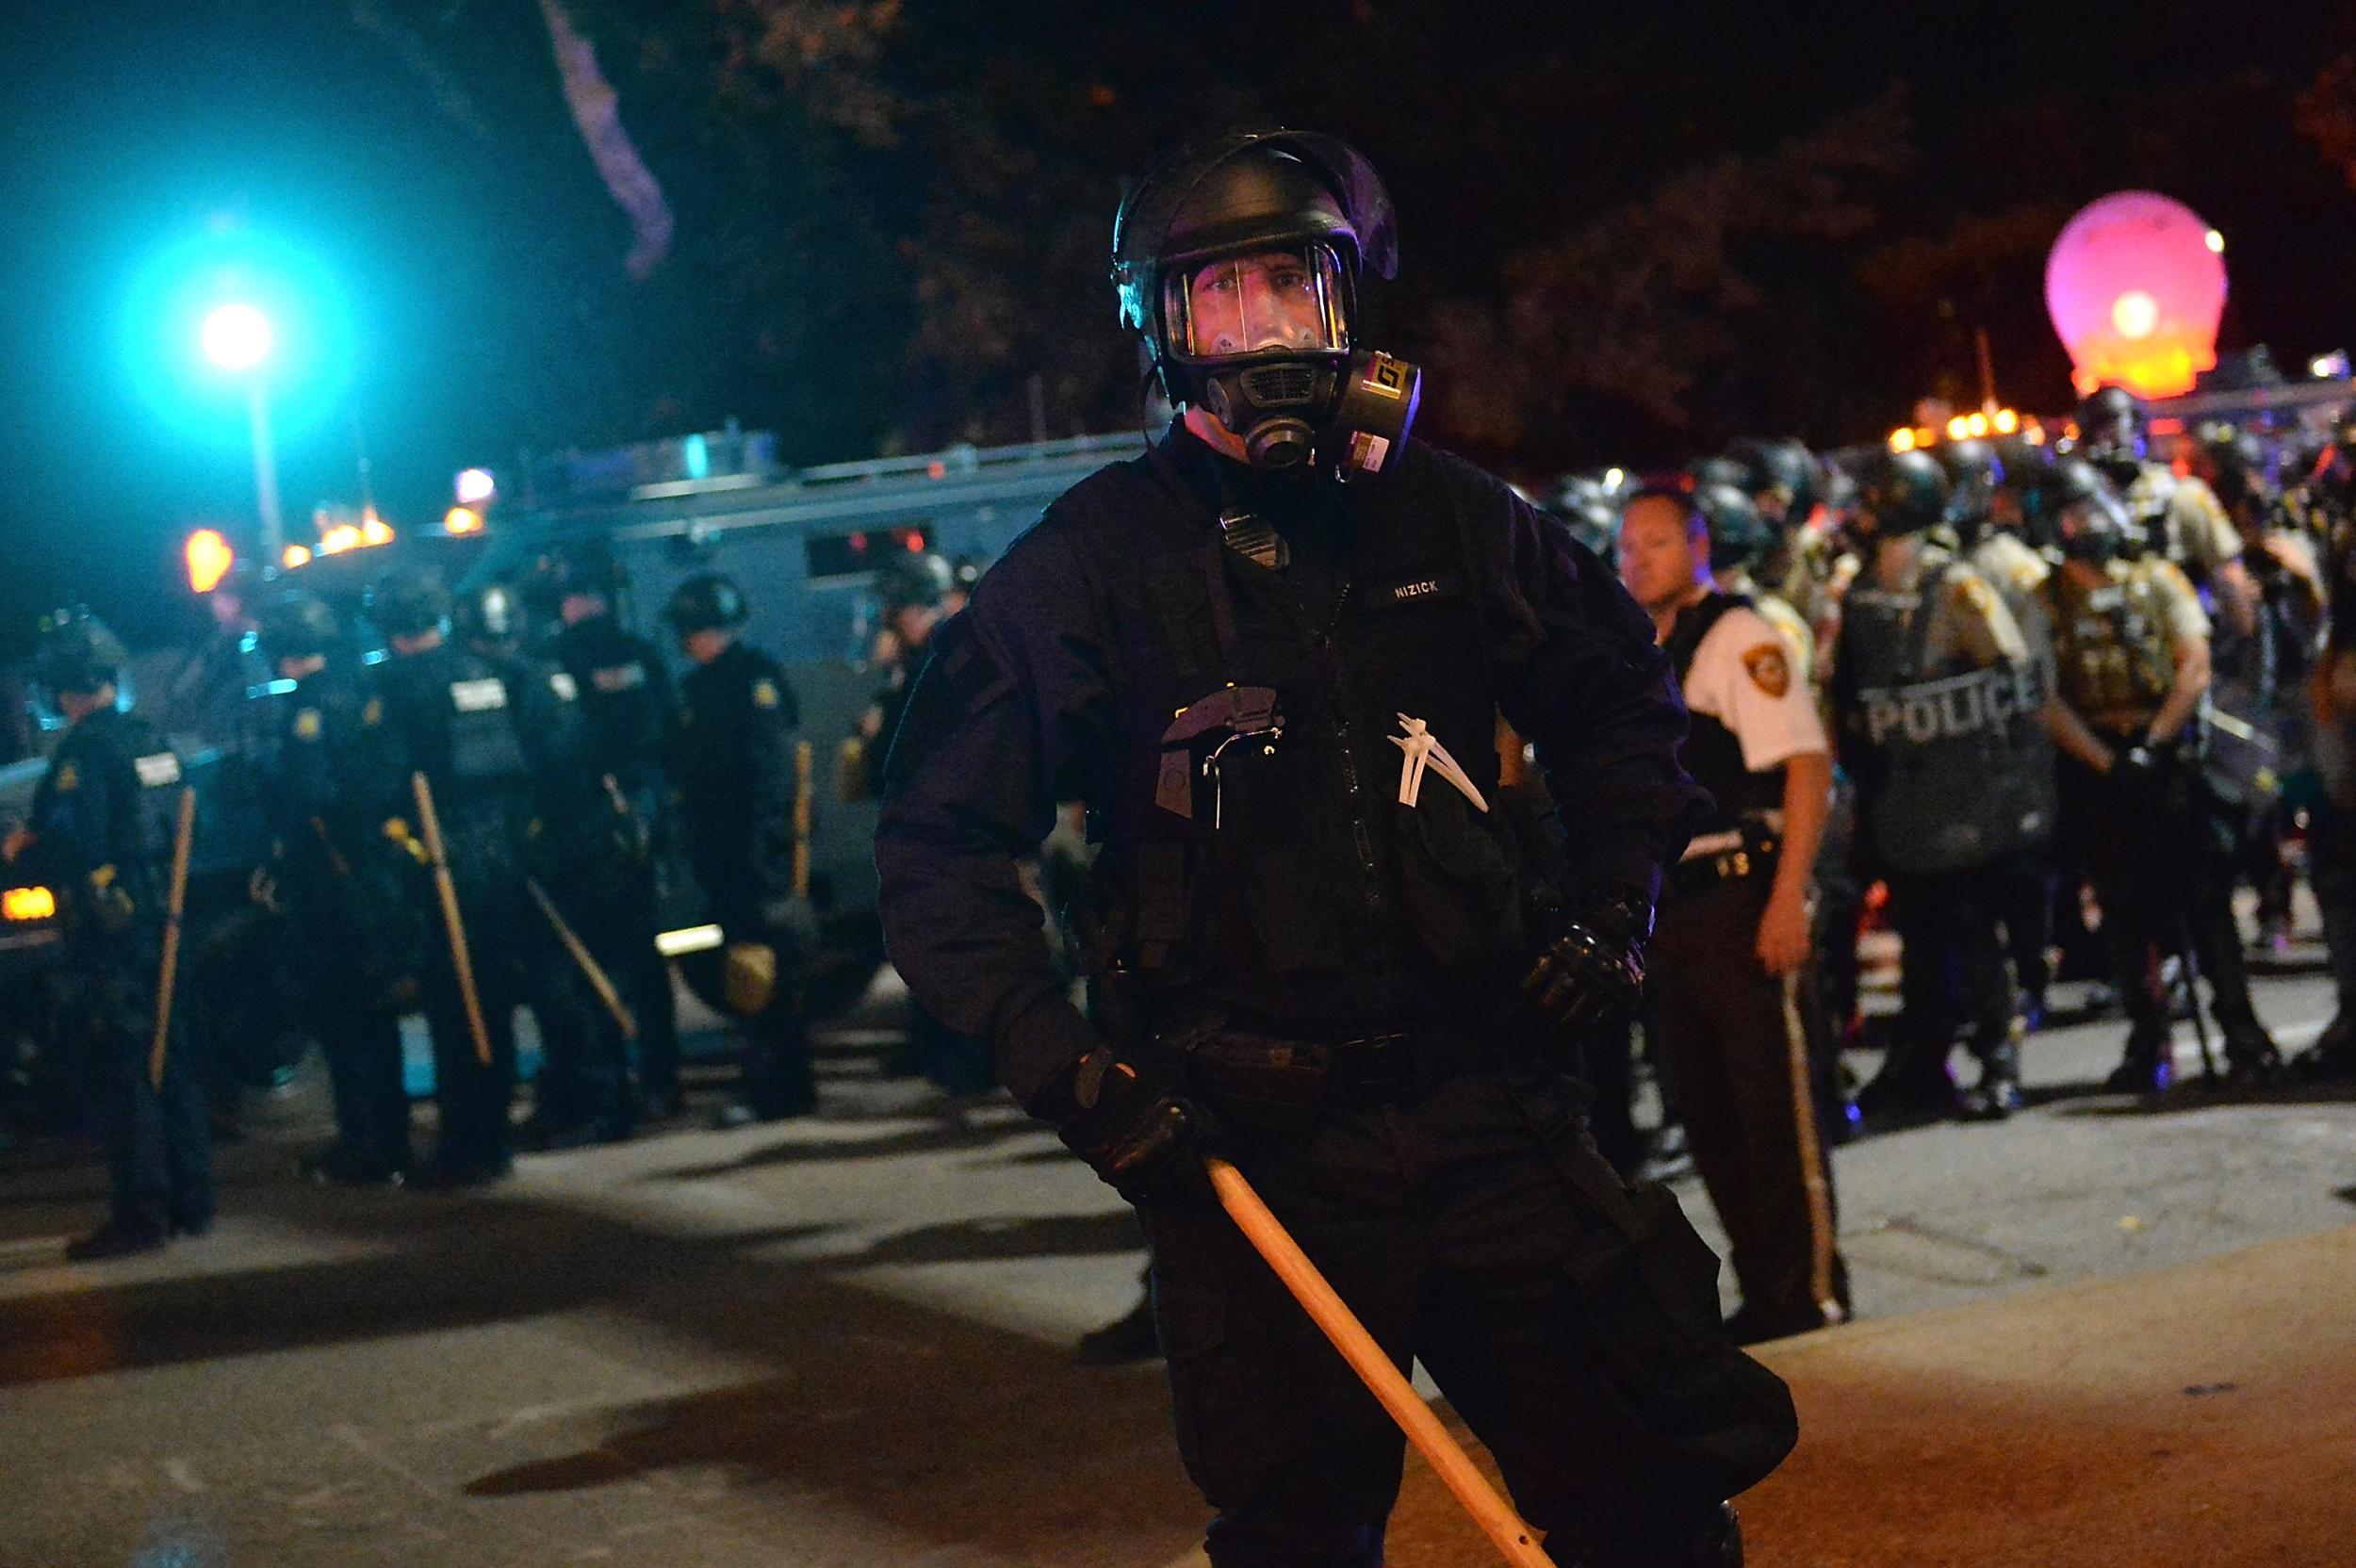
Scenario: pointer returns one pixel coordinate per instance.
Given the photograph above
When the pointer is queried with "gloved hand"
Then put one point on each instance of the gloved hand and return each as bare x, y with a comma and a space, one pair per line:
1593, 970
1128, 1114
2137, 769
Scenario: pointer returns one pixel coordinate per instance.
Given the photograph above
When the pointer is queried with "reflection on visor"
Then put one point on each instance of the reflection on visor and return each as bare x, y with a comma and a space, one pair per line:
1269, 300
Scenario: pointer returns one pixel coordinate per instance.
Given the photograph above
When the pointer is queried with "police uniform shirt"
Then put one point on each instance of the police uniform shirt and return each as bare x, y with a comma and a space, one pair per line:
1742, 676
2194, 530
2116, 643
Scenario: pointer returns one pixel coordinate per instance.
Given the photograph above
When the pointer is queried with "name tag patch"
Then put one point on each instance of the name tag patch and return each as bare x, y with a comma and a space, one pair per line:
159, 769
619, 678
478, 696
1418, 588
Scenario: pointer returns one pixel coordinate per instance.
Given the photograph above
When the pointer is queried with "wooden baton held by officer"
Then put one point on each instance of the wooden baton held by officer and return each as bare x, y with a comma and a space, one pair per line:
801, 819
590, 968
430, 826
175, 904
1513, 1538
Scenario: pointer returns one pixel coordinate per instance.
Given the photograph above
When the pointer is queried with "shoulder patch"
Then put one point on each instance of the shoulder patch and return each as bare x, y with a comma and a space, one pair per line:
308, 724
765, 693
373, 713
68, 780
1770, 671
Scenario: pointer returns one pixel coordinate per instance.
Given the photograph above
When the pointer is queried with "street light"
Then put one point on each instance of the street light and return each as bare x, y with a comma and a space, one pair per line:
238, 339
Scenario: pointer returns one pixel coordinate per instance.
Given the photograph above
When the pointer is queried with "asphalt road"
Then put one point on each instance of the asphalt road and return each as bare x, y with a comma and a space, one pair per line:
844, 1340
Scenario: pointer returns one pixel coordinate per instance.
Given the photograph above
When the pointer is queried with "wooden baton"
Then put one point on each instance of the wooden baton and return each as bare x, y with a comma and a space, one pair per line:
175, 906
1513, 1539
431, 826
590, 968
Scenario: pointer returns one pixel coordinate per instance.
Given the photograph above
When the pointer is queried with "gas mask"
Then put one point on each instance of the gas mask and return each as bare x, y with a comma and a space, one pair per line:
1262, 343
2094, 529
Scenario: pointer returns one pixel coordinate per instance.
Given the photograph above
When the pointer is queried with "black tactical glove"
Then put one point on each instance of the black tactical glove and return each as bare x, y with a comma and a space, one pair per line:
1593, 970
1128, 1114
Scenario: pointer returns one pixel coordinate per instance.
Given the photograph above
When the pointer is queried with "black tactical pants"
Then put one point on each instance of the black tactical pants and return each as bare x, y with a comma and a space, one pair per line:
473, 1097
1572, 1321
2332, 867
2163, 875
1728, 1035
360, 1037
778, 1081
160, 1162
1953, 964
585, 1074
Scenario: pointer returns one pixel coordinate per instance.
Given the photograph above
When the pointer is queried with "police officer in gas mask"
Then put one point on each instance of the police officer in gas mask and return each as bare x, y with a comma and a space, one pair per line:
90, 844
2130, 664
351, 930
732, 757
1936, 695
1270, 655
2174, 516
456, 721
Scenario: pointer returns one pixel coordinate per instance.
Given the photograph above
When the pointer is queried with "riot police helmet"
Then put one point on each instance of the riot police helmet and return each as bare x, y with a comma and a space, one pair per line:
1782, 476
1724, 468
1587, 506
2084, 517
1901, 493
912, 580
77, 653
490, 614
409, 601
297, 624
1974, 469
706, 602
1738, 535
2112, 425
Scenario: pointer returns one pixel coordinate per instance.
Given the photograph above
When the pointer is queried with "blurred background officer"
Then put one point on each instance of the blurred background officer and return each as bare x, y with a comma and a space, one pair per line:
913, 593
1729, 951
626, 703
733, 761
582, 1091
90, 841
453, 714
1936, 695
1318, 939
348, 932
2132, 661
2174, 516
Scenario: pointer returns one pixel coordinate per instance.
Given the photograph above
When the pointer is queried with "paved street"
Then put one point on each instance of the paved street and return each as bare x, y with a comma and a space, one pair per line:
845, 1339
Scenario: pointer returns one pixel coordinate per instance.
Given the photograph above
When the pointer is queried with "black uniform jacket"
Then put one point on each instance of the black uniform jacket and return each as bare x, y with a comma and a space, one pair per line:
1311, 894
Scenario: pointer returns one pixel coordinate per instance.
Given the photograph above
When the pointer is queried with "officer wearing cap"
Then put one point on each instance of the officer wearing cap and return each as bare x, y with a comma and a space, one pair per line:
732, 758
1936, 694
90, 843
351, 932
1269, 657
625, 695
2131, 663
1733, 938
458, 724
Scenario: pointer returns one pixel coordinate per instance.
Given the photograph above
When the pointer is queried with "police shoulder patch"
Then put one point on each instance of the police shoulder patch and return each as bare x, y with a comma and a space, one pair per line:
765, 693
1770, 671
308, 724
372, 713
68, 780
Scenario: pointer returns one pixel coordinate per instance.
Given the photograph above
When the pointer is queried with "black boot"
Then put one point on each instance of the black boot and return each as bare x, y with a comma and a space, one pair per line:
119, 1237
2251, 1060
1996, 1095
2333, 1055
1715, 1541
2150, 1064
1912, 1086
1129, 1337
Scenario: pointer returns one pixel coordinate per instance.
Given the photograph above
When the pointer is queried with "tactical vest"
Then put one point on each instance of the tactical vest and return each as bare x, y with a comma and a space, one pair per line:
2111, 644
1713, 752
1953, 767
1251, 821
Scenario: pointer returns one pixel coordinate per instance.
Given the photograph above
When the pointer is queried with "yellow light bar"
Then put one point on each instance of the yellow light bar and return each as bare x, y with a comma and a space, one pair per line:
297, 555
693, 939
461, 519
337, 540
2006, 421
1902, 439
376, 530
1958, 428
209, 559
28, 903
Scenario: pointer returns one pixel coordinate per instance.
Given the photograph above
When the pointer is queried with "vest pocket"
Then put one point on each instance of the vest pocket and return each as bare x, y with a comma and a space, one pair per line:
1461, 893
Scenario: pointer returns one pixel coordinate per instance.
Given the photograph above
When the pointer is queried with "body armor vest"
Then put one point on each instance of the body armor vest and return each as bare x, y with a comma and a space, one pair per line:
1251, 827
1952, 763
2111, 645
1713, 753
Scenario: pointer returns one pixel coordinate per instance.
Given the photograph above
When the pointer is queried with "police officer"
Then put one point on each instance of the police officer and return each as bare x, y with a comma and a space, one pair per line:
1936, 699
2175, 516
1269, 657
2131, 663
625, 695
2332, 843
1733, 937
1742, 542
455, 719
349, 929
732, 758
582, 1091
89, 842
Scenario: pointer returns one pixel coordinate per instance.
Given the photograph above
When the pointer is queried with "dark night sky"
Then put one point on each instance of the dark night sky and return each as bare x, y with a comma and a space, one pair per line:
486, 310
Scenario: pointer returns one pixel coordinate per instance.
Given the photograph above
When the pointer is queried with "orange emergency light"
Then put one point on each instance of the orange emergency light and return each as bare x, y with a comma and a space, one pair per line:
26, 903
209, 559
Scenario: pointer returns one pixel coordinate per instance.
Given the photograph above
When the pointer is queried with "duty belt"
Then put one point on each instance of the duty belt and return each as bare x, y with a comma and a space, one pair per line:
1244, 1065
1734, 856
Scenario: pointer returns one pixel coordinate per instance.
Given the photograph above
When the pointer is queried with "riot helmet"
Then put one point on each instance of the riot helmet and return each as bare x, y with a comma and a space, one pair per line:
1781, 477
1590, 509
913, 580
1238, 261
77, 654
706, 602
1974, 469
409, 601
490, 614
1738, 535
1900, 493
296, 625
1724, 468
2084, 519
2112, 426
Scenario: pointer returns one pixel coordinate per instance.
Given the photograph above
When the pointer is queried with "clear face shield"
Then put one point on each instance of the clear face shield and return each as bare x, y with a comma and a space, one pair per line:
1286, 299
